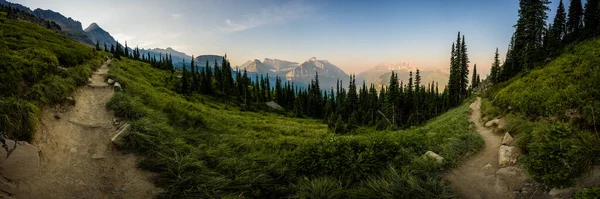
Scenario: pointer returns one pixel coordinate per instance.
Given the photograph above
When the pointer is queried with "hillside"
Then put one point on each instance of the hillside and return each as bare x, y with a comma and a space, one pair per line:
204, 148
553, 112
38, 67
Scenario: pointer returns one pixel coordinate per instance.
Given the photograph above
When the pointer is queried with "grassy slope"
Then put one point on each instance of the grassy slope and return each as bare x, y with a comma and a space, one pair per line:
31, 58
202, 148
558, 148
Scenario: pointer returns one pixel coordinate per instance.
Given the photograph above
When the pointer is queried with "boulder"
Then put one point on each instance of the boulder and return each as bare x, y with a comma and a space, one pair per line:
274, 105
508, 155
110, 81
507, 140
511, 178
117, 86
89, 80
431, 154
23, 161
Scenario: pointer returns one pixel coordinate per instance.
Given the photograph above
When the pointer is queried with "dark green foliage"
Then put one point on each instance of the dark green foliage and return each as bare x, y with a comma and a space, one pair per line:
38, 67
588, 193
553, 156
527, 48
557, 31
591, 19
575, 20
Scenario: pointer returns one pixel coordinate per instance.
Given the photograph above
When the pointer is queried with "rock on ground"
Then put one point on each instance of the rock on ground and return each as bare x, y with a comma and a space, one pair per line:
435, 156
508, 155
23, 162
507, 140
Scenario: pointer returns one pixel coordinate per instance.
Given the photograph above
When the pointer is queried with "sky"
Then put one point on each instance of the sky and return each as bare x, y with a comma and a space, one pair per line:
354, 35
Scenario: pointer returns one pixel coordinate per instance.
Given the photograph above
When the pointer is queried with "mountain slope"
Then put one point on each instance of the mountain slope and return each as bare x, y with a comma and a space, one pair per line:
202, 59
553, 111
97, 34
69, 26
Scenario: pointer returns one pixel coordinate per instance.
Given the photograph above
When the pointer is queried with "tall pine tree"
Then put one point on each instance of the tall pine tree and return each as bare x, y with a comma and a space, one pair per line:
575, 20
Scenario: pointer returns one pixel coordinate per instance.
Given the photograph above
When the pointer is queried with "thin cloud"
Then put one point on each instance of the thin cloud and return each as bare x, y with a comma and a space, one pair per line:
176, 16
274, 14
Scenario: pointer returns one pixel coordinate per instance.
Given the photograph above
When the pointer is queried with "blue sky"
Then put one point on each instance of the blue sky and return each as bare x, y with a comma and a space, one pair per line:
354, 35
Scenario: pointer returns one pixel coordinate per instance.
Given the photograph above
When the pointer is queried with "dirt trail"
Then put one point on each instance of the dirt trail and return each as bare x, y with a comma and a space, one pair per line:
77, 159
472, 179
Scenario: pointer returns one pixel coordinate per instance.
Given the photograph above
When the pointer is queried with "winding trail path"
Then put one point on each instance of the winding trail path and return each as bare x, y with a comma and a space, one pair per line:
472, 179
77, 159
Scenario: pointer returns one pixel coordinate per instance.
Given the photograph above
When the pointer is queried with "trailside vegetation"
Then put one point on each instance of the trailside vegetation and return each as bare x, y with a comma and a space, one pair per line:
207, 147
548, 90
38, 67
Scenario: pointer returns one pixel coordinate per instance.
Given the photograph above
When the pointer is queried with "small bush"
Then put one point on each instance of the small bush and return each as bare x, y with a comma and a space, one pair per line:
552, 155
126, 107
18, 118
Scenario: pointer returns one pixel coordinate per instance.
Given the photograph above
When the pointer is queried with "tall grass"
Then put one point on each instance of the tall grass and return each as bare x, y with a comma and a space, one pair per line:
38, 67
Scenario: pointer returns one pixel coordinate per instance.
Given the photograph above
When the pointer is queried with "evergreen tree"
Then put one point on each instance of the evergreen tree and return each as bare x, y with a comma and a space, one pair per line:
126, 50
97, 45
185, 84
575, 20
464, 70
474, 79
558, 30
105, 48
495, 71
454, 79
195, 82
591, 18
529, 32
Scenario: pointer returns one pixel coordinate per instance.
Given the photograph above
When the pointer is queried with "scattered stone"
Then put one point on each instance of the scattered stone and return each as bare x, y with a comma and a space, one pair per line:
508, 155
487, 167
435, 156
57, 117
73, 150
573, 114
70, 100
121, 133
561, 193
115, 119
507, 140
90, 80
492, 123
21, 163
117, 86
98, 156
110, 81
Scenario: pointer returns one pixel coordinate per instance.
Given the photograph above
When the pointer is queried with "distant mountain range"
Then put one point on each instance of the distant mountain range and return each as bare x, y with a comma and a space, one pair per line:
380, 75
296, 72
